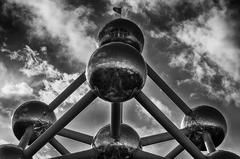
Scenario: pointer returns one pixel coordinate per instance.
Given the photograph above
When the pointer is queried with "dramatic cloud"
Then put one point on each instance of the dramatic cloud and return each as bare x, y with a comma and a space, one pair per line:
52, 18
19, 89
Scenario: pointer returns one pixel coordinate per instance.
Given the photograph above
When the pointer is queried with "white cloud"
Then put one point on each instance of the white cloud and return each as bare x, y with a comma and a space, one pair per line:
2, 141
210, 35
70, 26
19, 89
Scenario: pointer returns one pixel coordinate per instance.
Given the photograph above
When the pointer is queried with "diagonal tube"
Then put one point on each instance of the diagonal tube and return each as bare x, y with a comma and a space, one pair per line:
168, 91
84, 138
67, 92
176, 151
26, 137
153, 139
169, 126
88, 154
60, 124
208, 142
58, 146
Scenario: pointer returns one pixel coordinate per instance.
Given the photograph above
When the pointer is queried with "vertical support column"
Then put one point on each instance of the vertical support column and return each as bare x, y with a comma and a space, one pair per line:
116, 120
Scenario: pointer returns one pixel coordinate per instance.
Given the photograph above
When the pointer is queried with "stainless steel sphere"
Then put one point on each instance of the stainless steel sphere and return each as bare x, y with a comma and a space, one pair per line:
122, 30
35, 114
116, 71
205, 119
222, 155
123, 148
9, 151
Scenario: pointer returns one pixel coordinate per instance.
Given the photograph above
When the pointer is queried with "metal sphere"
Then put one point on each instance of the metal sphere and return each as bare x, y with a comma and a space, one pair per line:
9, 151
33, 113
222, 155
128, 141
116, 71
205, 119
122, 30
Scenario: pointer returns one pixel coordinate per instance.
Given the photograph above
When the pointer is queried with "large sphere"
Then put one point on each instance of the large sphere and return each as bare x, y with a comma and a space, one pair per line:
116, 71
205, 119
35, 114
222, 155
123, 148
10, 151
122, 30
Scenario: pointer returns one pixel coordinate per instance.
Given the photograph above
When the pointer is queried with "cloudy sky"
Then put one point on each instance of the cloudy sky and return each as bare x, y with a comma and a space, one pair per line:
193, 45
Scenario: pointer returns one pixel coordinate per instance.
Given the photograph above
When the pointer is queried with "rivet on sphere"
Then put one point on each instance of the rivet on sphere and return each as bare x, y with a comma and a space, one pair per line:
122, 30
116, 71
220, 154
33, 113
205, 119
123, 148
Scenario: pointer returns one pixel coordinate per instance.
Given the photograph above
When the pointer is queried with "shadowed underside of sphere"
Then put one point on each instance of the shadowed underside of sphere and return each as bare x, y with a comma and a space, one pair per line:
10, 151
205, 119
222, 155
123, 148
116, 71
122, 30
35, 114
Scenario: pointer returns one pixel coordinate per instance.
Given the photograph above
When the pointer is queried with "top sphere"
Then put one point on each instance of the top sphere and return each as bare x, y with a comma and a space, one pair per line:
122, 30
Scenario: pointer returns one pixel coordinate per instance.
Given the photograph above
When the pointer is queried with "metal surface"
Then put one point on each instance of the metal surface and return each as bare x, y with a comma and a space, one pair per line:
153, 139
87, 154
168, 91
84, 138
68, 91
26, 137
116, 71
208, 142
10, 151
139, 154
122, 148
222, 155
122, 30
33, 113
60, 123
176, 151
205, 119
116, 117
58, 146
169, 126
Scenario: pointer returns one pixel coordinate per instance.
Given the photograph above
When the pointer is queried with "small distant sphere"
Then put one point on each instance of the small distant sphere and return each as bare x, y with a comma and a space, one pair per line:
116, 71
9, 151
222, 155
205, 119
122, 30
128, 141
33, 113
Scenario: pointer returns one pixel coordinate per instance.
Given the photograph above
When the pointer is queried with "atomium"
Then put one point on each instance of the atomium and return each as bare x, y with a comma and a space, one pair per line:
117, 72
